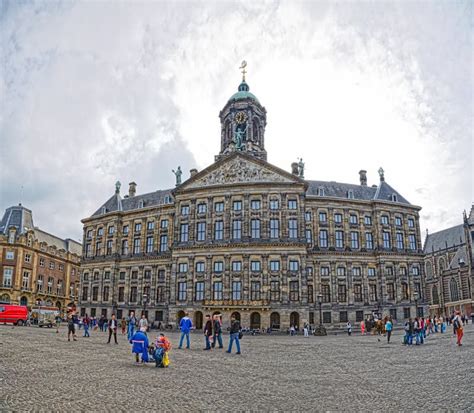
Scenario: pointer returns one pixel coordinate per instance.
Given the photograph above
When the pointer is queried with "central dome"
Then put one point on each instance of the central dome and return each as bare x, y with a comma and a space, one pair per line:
243, 93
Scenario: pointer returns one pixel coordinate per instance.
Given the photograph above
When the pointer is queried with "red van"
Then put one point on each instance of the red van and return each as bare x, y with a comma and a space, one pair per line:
16, 314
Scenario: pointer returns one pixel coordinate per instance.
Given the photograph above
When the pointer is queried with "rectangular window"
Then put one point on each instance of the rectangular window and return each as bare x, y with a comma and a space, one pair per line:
105, 293
398, 221
369, 241
292, 228
163, 243
399, 240
353, 219
255, 266
393, 313
359, 316
323, 238
85, 293
407, 312
311, 317
41, 260
218, 266
391, 291
160, 294
324, 271
327, 317
164, 223
292, 204
26, 279
7, 277
237, 205
326, 293
341, 293
202, 208
357, 293
138, 227
111, 230
274, 204
183, 267
122, 275
236, 290
236, 229
343, 316
237, 266
100, 232
107, 275
309, 236
27, 257
161, 274
150, 225
389, 271
307, 216
219, 230
88, 251
182, 291
255, 228
95, 292
339, 239
338, 218
184, 233
274, 265
372, 292
217, 290
125, 229
201, 231
356, 271
354, 240
323, 217
274, 228
109, 247
255, 290
185, 210
274, 290
293, 265
411, 223
121, 294
158, 315
147, 274
371, 272
149, 244
134, 275
368, 220
386, 239
200, 266
199, 291
219, 207
136, 246
310, 294
98, 250
384, 220
89, 234
412, 242
255, 204
415, 271
294, 291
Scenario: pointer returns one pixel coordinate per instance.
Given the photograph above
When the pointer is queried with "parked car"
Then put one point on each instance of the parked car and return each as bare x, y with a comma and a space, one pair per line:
15, 314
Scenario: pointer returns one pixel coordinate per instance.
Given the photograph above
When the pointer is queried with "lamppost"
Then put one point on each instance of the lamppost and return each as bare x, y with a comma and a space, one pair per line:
416, 296
320, 330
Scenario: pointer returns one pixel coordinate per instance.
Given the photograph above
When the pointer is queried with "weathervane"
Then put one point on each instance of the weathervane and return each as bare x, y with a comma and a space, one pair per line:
242, 67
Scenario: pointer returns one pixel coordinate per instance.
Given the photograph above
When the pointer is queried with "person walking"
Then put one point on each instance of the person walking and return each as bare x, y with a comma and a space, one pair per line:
185, 325
143, 323
132, 321
349, 328
71, 330
86, 321
305, 330
208, 331
217, 327
408, 332
234, 335
458, 328
388, 329
113, 329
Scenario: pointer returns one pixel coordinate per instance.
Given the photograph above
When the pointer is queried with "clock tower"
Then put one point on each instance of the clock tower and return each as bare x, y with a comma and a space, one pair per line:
243, 121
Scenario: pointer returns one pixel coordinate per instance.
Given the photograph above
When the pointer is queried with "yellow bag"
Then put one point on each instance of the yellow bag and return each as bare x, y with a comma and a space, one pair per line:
166, 360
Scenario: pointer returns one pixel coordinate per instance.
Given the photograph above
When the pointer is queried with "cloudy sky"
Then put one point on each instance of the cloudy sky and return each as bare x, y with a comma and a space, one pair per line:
99, 91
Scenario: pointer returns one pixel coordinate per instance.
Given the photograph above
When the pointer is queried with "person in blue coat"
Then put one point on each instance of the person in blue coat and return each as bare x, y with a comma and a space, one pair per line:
139, 342
185, 325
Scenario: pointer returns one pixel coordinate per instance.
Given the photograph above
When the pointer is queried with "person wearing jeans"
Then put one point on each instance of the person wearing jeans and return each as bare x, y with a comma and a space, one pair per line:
208, 332
217, 331
113, 329
185, 325
234, 335
131, 325
85, 321
388, 329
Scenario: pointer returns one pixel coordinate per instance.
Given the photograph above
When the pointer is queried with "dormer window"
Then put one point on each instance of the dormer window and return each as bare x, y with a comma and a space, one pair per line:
320, 191
104, 210
168, 199
350, 194
141, 203
394, 198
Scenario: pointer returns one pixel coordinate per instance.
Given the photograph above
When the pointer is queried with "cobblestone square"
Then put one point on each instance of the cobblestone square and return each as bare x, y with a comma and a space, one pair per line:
42, 371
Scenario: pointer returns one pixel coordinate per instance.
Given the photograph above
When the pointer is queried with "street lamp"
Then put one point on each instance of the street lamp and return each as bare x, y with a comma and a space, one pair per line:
320, 330
416, 296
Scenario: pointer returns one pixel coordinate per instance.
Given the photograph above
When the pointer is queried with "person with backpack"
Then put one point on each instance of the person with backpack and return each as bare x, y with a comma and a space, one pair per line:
235, 334
458, 328
217, 327
185, 325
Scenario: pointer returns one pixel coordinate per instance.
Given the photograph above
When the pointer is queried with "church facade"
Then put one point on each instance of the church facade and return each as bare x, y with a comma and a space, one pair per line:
245, 237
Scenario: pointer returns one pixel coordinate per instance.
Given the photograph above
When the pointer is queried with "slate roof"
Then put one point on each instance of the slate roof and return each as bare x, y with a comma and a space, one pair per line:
446, 238
117, 203
62, 244
461, 254
17, 216
383, 192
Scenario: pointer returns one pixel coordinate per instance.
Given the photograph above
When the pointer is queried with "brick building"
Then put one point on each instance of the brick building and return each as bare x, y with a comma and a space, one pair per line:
36, 267
243, 236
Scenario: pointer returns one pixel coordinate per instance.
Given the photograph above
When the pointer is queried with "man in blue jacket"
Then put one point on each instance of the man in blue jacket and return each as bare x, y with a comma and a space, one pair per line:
139, 342
185, 325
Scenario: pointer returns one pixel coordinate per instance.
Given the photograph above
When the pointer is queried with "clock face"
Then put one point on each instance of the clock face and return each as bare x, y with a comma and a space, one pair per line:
240, 117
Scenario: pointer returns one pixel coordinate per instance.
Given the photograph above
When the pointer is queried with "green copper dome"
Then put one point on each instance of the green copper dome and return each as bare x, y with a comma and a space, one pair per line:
243, 93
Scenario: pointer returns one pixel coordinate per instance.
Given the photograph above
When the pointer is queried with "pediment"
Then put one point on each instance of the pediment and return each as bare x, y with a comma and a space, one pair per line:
239, 169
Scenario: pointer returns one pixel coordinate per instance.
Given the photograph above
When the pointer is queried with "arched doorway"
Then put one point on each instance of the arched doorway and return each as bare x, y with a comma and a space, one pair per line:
5, 299
275, 321
23, 301
255, 320
236, 315
294, 319
179, 316
198, 320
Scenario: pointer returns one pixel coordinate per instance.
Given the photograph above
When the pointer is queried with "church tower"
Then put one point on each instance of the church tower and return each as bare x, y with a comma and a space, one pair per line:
243, 121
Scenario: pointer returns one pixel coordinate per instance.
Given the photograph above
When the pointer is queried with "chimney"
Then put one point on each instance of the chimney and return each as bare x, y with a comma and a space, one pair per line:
294, 168
193, 172
363, 177
132, 189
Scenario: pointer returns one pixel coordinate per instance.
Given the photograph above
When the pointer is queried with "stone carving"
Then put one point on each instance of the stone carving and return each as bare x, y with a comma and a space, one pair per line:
301, 168
178, 174
239, 170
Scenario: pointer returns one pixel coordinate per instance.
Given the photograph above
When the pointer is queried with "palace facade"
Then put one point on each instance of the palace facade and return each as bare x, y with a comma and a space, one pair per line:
449, 268
36, 268
246, 237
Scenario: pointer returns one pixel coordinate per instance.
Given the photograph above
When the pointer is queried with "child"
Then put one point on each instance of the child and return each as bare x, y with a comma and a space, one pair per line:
163, 346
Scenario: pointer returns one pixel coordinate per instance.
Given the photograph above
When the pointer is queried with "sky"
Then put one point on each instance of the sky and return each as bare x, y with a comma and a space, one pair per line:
92, 92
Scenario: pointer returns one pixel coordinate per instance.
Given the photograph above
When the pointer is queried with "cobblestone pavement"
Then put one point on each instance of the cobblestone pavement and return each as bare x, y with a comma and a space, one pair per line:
41, 371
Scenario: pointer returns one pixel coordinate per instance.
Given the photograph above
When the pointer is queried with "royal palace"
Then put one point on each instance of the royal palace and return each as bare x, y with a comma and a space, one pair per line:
246, 237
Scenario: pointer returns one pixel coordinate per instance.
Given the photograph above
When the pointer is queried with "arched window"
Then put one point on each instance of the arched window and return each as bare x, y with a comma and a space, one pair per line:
23, 301
294, 319
453, 287
255, 131
275, 321
441, 264
429, 270
5, 299
434, 295
198, 320
255, 320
